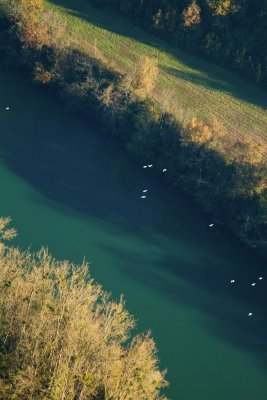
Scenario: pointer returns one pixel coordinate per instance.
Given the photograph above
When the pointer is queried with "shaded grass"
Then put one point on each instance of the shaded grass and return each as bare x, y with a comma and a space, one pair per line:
186, 84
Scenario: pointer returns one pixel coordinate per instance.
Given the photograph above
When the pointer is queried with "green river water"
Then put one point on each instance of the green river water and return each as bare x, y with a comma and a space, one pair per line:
68, 187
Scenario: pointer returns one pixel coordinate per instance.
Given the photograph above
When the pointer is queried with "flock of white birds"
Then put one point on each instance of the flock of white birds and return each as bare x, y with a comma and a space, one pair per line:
146, 190
210, 225
260, 278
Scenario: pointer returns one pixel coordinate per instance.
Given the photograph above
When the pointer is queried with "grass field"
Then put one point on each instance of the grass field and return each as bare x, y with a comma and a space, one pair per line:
186, 83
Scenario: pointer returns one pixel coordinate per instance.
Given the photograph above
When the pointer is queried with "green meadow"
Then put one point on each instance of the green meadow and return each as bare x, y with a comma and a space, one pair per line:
186, 84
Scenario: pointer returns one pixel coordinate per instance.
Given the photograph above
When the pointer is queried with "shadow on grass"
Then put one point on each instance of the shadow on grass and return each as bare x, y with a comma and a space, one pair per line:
214, 77
197, 79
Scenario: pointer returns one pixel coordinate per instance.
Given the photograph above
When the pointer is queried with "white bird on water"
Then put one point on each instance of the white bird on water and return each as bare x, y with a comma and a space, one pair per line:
145, 190
211, 225
150, 165
260, 278
7, 108
143, 197
144, 166
164, 170
253, 284
232, 281
250, 314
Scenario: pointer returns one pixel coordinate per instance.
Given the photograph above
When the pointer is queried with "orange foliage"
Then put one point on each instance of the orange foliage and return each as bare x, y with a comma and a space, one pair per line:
29, 28
30, 6
32, 34
41, 75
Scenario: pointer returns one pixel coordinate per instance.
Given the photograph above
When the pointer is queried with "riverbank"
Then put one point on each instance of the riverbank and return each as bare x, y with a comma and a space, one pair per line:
173, 269
228, 178
186, 85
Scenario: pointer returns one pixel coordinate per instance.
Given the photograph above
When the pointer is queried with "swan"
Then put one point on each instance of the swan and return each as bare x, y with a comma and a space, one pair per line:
145, 190
144, 166
143, 197
7, 108
260, 278
150, 165
211, 225
232, 281
250, 314
253, 284
164, 170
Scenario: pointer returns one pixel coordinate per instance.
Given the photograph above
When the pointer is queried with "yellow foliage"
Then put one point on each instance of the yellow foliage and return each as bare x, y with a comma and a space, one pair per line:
145, 78
199, 132
218, 129
194, 123
29, 6
247, 152
223, 7
261, 187
63, 336
191, 15
5, 232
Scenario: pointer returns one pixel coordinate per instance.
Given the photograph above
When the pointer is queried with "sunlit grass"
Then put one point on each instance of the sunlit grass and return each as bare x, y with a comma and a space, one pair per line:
186, 84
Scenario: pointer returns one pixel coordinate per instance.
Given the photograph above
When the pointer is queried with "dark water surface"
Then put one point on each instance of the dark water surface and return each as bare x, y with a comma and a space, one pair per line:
71, 189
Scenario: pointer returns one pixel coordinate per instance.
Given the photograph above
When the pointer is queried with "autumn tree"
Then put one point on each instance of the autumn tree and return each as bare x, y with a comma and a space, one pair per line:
223, 7
248, 152
191, 15
198, 132
63, 338
144, 78
27, 23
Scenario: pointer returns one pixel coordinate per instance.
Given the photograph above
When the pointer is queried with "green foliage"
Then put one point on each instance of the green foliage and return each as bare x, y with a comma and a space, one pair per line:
185, 84
225, 174
231, 32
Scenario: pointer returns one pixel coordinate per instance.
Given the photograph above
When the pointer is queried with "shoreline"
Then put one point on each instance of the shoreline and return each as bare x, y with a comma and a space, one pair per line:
148, 133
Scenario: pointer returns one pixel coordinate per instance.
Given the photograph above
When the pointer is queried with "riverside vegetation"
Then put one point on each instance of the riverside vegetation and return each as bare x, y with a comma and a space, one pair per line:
62, 337
230, 32
185, 86
226, 175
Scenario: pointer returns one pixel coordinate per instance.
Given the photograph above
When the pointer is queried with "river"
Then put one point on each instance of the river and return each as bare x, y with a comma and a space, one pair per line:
68, 187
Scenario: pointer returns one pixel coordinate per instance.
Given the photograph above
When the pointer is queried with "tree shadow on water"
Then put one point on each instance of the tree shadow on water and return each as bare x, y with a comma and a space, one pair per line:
66, 159
200, 279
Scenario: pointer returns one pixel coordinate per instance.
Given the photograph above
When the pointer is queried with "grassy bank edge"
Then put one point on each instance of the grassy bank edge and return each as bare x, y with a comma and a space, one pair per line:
223, 177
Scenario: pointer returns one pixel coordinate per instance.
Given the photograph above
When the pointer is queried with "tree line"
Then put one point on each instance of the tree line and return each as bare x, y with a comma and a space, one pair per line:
232, 33
226, 175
